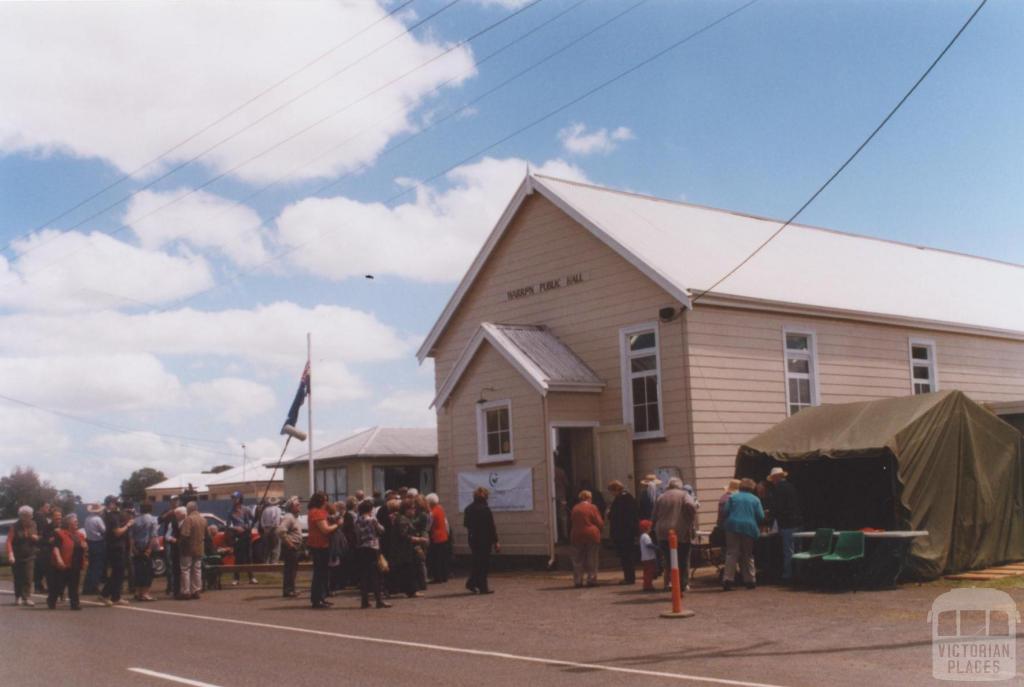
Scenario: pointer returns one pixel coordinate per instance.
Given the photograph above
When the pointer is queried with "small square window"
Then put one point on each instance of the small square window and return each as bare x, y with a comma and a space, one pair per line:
494, 428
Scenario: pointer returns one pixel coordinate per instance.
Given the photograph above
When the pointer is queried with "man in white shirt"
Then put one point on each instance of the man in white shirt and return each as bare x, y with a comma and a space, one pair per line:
270, 520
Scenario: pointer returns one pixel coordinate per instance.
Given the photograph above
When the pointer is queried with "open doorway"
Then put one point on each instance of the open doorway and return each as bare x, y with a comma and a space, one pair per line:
575, 469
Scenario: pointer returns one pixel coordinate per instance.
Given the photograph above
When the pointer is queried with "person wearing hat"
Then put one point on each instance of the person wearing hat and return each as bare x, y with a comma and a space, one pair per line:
116, 524
675, 510
270, 519
648, 496
169, 533
94, 537
240, 524
289, 534
784, 506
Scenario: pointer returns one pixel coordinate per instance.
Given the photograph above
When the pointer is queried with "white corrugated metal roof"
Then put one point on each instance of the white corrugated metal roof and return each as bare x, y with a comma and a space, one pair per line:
413, 442
694, 246
252, 472
686, 248
199, 480
547, 363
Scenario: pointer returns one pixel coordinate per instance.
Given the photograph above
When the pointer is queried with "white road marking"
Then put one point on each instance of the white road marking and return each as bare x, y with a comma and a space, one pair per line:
171, 678
681, 677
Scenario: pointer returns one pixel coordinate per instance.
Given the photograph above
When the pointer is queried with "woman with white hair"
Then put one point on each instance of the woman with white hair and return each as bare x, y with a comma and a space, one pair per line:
22, 540
439, 552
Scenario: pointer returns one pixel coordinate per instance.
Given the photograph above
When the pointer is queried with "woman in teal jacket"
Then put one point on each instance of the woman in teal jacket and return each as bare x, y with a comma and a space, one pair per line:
743, 518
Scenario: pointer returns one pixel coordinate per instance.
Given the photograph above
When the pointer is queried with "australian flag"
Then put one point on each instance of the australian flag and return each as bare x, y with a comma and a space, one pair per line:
300, 398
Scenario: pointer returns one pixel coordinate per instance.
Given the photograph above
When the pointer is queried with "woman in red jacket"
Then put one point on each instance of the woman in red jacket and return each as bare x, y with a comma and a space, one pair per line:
586, 524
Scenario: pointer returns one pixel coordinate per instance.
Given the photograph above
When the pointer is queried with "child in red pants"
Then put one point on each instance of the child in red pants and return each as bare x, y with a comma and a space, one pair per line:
648, 555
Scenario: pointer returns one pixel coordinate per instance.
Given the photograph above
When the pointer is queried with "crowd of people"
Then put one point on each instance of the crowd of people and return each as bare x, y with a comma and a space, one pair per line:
383, 545
395, 543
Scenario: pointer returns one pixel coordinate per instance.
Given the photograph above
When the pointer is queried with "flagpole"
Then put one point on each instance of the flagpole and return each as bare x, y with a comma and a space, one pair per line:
309, 392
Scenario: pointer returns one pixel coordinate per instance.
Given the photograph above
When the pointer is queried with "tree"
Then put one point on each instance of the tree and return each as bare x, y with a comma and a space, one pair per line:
23, 487
134, 487
67, 500
219, 469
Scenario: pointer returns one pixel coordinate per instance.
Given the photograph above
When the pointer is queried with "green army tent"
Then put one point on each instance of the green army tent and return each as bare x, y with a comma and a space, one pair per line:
938, 462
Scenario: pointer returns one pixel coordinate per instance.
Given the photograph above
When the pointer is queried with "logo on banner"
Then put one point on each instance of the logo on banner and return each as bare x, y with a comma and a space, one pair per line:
974, 635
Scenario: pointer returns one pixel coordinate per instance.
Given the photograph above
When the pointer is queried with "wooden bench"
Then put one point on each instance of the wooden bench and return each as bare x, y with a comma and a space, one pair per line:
215, 571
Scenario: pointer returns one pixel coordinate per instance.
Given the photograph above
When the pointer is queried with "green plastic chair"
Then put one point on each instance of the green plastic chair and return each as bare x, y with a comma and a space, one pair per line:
849, 547
821, 545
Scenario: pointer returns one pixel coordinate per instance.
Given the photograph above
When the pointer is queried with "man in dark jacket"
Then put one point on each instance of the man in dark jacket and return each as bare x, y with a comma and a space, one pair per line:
624, 520
483, 536
785, 508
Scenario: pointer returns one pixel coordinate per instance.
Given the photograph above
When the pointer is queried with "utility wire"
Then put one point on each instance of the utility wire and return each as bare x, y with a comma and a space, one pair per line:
419, 184
167, 438
850, 159
212, 124
128, 223
401, 110
239, 132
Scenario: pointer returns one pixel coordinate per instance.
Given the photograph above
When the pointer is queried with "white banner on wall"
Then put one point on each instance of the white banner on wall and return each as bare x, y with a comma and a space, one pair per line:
511, 488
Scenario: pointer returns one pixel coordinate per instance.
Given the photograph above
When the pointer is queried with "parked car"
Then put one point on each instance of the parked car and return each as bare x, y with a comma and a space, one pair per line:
5, 527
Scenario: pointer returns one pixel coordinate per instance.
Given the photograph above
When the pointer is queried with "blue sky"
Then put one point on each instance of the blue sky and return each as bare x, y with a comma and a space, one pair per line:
150, 328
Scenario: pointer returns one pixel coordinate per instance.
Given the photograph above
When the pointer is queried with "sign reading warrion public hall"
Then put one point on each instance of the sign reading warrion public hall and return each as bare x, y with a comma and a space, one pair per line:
544, 286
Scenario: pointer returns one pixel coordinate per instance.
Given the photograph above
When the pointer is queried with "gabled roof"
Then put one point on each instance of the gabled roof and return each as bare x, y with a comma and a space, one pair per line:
545, 362
404, 442
252, 472
686, 248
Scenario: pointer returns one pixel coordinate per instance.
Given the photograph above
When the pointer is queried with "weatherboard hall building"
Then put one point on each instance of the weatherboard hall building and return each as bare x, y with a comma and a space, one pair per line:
579, 342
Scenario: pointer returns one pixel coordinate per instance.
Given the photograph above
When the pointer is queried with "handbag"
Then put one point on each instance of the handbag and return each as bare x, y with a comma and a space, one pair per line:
382, 564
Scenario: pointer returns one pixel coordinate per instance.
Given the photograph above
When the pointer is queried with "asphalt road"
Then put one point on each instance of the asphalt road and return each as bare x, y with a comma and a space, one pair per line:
535, 631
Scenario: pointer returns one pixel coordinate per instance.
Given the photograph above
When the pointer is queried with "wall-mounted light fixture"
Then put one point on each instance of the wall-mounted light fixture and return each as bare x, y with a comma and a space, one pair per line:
483, 400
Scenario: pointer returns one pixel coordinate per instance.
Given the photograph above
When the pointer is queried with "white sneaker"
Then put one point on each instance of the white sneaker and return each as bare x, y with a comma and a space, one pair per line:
106, 602
253, 580
122, 602
234, 583
30, 602
17, 601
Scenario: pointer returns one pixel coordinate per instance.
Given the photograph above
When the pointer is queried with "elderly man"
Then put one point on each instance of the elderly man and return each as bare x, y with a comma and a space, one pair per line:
239, 524
44, 526
289, 532
270, 518
784, 505
95, 537
625, 523
192, 540
143, 535
675, 510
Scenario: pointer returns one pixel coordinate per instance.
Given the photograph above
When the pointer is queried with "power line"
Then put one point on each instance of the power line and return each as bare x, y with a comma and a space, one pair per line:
850, 159
434, 123
167, 438
239, 132
127, 224
212, 124
551, 113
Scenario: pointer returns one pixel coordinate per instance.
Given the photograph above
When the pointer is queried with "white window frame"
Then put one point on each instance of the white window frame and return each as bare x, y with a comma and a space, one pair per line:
627, 378
933, 366
321, 484
812, 358
481, 433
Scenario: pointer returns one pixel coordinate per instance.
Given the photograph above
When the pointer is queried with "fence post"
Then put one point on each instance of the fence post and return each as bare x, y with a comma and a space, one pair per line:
677, 590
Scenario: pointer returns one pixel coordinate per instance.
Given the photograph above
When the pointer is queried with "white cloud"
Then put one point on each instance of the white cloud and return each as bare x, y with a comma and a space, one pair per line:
432, 238
126, 81
272, 335
577, 140
231, 399
407, 408
76, 271
202, 220
97, 382
27, 435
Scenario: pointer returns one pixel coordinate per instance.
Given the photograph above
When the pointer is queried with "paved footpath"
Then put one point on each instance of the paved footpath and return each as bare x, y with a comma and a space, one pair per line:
535, 631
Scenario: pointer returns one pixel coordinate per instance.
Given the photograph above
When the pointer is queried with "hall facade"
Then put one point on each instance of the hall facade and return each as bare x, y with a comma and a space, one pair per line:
581, 346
